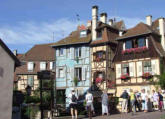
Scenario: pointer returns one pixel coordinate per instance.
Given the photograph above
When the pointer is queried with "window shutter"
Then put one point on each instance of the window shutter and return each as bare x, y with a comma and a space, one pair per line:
57, 52
131, 69
118, 70
83, 53
94, 56
154, 64
147, 42
57, 72
51, 65
72, 53
139, 68
123, 45
84, 73
72, 73
87, 51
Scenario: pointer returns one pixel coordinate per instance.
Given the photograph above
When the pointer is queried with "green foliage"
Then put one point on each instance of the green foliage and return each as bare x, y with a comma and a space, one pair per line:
161, 77
75, 81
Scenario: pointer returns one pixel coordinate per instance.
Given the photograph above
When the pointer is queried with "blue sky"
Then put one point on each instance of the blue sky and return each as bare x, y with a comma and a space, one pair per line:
24, 23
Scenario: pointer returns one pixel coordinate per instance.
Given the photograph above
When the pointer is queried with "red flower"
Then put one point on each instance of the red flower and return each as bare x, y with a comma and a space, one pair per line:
136, 50
98, 80
147, 75
124, 76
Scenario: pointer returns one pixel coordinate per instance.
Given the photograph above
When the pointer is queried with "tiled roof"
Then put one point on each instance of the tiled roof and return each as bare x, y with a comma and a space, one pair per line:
139, 29
43, 52
119, 25
74, 38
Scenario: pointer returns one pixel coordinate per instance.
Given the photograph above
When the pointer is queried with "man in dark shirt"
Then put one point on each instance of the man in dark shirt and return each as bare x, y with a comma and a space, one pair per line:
125, 97
160, 101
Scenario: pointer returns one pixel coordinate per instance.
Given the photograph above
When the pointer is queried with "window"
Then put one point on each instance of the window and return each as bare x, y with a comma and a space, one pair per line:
68, 52
78, 73
125, 69
30, 80
83, 33
147, 66
99, 56
61, 73
42, 65
52, 65
99, 34
61, 52
141, 42
128, 44
77, 52
30, 66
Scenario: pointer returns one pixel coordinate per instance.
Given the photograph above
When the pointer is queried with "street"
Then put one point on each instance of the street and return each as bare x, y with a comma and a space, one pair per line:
139, 115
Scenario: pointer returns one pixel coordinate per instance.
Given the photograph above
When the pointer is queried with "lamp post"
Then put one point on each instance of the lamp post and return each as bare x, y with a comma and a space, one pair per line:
28, 92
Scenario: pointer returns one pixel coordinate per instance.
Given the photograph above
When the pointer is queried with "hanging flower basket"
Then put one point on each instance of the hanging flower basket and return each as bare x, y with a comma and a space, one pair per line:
98, 59
111, 84
99, 80
147, 75
125, 77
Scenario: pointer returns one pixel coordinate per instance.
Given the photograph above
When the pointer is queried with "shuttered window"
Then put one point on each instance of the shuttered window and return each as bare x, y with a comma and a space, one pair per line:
147, 67
78, 73
125, 68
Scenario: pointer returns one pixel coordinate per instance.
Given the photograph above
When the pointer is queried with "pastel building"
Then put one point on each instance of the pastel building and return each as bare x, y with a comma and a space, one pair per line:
73, 63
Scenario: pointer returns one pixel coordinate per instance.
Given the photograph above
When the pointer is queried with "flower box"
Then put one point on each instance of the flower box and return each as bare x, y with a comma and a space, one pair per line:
99, 80
135, 50
147, 75
125, 77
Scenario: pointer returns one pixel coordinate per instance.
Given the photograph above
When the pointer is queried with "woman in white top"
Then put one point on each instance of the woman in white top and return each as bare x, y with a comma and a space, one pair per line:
144, 99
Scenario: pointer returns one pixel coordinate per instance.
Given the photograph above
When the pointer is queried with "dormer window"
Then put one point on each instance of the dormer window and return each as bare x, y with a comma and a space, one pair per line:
30, 66
83, 33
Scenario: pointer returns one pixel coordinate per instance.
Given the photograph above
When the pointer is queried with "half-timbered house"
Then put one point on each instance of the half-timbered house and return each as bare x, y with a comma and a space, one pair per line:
138, 56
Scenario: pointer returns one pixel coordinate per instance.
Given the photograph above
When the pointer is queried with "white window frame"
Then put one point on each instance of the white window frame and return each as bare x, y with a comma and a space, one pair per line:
78, 73
51, 65
59, 73
61, 53
79, 49
30, 66
42, 65
83, 33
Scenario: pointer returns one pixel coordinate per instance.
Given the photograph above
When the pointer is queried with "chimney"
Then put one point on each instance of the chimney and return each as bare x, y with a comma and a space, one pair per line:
89, 23
15, 52
110, 22
149, 20
94, 21
162, 31
103, 17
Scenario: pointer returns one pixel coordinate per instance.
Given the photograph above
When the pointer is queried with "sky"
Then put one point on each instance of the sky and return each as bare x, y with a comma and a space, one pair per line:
24, 23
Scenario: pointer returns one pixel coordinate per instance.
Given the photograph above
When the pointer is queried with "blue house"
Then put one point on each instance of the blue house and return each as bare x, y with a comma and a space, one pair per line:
73, 64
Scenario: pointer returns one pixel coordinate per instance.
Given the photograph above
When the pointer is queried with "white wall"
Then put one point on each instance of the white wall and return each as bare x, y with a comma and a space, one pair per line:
6, 84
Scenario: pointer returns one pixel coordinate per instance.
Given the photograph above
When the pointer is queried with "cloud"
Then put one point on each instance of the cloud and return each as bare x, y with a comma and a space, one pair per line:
36, 32
29, 33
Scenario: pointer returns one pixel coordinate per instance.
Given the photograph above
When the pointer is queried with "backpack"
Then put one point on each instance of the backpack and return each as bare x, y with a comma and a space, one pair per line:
74, 98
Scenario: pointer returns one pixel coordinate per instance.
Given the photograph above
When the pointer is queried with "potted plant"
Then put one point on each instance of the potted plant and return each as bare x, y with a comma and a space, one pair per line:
98, 80
125, 76
75, 81
147, 75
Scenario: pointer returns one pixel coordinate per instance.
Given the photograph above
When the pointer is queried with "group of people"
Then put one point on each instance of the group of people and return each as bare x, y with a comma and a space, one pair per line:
89, 104
143, 101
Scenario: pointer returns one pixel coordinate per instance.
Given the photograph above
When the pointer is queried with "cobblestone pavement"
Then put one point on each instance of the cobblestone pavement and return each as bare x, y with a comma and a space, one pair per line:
139, 115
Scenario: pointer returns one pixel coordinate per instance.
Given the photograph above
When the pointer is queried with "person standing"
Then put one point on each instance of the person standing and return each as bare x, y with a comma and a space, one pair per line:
144, 100
89, 104
73, 104
133, 100
155, 99
125, 97
160, 101
104, 98
138, 100
163, 94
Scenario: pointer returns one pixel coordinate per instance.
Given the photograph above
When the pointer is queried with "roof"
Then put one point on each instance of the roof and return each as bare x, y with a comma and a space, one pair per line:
119, 25
17, 62
139, 29
74, 38
41, 52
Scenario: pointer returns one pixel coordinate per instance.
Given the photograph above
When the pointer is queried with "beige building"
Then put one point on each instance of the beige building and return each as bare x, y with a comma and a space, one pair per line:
139, 54
38, 58
8, 63
103, 47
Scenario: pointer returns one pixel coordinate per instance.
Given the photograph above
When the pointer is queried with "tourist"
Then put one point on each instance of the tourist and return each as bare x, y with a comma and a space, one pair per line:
150, 101
104, 98
163, 94
138, 100
73, 104
125, 97
155, 99
160, 101
89, 104
144, 99
132, 100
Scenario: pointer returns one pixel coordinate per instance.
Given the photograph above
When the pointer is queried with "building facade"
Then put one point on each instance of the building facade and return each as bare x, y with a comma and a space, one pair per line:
38, 58
73, 64
8, 63
103, 47
138, 57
